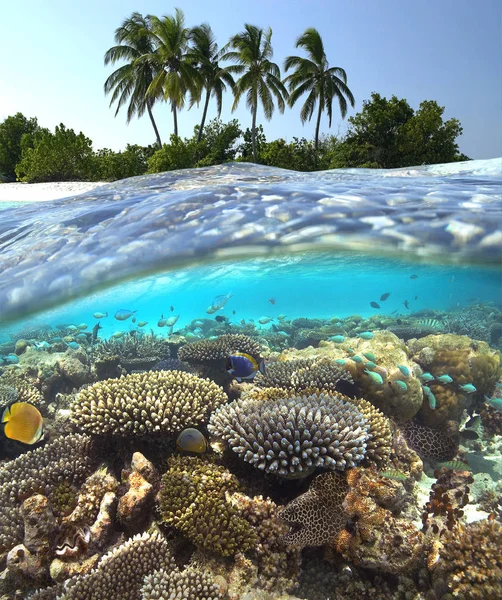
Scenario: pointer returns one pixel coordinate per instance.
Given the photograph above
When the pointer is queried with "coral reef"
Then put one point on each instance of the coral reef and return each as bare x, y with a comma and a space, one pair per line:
193, 499
213, 351
173, 364
379, 443
293, 436
316, 517
121, 572
303, 374
430, 444
134, 506
140, 404
189, 583
469, 564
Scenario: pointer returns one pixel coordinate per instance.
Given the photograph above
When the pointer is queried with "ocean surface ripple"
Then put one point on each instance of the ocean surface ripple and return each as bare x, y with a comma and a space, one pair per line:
54, 251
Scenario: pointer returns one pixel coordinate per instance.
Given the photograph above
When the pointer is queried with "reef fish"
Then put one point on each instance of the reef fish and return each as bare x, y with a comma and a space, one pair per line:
430, 396
374, 305
142, 323
82, 326
384, 297
123, 314
265, 320
495, 403
10, 359
357, 359
444, 379
272, 301
24, 423
366, 335
281, 317
42, 345
454, 465
370, 365
426, 377
218, 303
172, 321
191, 440
100, 315
369, 356
118, 334
244, 366
468, 388
413, 276
400, 384
338, 339
340, 361
393, 474
404, 370
375, 377
161, 322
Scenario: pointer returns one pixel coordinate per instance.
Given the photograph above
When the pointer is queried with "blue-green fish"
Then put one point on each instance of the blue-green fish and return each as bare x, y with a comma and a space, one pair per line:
366, 335
444, 379
375, 377
495, 403
82, 326
340, 361
142, 323
100, 315
338, 339
357, 359
430, 397
10, 359
498, 385
123, 314
404, 370
393, 474
42, 345
468, 388
351, 350
400, 384
426, 377
72, 328
370, 356
118, 334
56, 340
73, 345
370, 365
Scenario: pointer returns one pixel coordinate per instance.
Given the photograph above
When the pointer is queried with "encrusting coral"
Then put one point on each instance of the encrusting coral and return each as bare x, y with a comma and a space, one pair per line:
469, 565
210, 351
193, 499
291, 437
146, 404
316, 517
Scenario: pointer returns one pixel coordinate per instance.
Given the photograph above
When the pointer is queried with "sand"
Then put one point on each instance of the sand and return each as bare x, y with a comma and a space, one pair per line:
36, 192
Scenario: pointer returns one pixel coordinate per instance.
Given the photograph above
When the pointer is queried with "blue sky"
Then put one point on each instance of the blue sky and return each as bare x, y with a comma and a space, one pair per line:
443, 50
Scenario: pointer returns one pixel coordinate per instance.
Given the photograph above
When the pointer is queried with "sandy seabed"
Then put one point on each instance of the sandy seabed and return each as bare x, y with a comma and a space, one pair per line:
36, 192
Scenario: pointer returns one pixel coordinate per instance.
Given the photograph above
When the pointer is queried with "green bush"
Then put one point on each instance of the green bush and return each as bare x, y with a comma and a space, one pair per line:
12, 129
59, 156
132, 161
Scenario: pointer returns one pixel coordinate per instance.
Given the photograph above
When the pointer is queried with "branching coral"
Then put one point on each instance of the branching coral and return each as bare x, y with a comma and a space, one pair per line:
146, 404
379, 444
470, 563
193, 499
133, 346
210, 351
121, 572
190, 583
293, 436
430, 444
303, 374
316, 517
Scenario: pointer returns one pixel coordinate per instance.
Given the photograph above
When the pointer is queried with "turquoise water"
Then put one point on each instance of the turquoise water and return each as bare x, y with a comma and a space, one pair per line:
312, 256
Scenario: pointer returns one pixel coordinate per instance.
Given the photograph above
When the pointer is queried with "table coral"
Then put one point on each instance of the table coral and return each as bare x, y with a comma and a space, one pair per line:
291, 437
143, 404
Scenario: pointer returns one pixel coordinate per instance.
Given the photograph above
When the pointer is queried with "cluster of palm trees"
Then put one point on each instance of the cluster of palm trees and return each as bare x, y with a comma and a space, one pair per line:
166, 60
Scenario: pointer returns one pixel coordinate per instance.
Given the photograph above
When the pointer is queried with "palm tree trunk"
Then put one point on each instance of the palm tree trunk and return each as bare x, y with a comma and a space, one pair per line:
204, 114
316, 139
154, 124
175, 117
253, 131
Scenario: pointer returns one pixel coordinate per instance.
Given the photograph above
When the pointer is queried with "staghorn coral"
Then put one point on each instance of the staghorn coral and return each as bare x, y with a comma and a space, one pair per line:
190, 583
132, 346
294, 436
303, 374
470, 563
40, 471
146, 404
192, 498
211, 351
316, 517
121, 572
430, 444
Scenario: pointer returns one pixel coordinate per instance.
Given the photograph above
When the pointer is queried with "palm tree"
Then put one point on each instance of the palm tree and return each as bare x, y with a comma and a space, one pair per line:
314, 75
176, 73
260, 78
206, 55
131, 81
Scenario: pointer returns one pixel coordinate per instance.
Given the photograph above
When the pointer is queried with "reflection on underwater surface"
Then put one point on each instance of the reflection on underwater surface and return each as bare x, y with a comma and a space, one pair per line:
364, 458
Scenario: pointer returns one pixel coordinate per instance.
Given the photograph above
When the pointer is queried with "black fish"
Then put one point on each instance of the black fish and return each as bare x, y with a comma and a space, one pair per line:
406, 304
171, 308
384, 297
95, 330
220, 319
413, 276
416, 297
374, 304
233, 312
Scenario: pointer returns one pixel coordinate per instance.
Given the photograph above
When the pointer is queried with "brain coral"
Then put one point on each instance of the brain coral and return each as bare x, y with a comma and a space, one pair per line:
120, 573
146, 403
429, 444
291, 437
303, 374
190, 583
207, 351
193, 499
317, 517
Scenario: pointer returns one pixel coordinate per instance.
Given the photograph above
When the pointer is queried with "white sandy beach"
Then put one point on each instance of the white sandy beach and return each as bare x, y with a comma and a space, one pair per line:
36, 192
